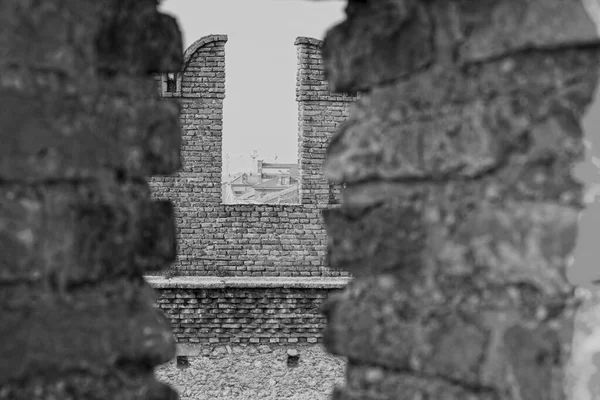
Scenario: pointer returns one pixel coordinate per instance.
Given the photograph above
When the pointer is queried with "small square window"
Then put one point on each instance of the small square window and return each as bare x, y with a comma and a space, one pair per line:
171, 82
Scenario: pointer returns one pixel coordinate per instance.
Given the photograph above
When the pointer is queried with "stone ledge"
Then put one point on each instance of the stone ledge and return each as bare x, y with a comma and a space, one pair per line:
197, 350
215, 282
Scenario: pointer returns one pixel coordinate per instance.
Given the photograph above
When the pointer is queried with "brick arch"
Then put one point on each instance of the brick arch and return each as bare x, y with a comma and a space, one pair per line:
188, 55
198, 44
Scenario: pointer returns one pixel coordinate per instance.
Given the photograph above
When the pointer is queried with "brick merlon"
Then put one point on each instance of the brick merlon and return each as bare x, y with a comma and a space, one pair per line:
203, 41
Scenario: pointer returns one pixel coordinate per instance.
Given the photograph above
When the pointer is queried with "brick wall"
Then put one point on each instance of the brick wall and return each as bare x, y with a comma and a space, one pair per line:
244, 315
215, 239
320, 112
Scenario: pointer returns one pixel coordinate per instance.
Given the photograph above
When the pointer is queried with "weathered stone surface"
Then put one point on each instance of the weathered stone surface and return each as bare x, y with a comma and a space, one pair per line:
460, 233
141, 385
57, 36
518, 243
366, 304
438, 392
532, 355
92, 329
457, 142
463, 334
105, 231
482, 132
106, 35
383, 321
547, 181
451, 123
121, 126
459, 349
373, 240
139, 39
360, 54
492, 29
368, 381
411, 35
76, 316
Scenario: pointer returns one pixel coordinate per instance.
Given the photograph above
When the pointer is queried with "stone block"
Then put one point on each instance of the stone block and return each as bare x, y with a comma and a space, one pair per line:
372, 382
49, 333
86, 37
77, 384
368, 241
534, 355
495, 29
359, 54
121, 127
518, 243
105, 231
376, 320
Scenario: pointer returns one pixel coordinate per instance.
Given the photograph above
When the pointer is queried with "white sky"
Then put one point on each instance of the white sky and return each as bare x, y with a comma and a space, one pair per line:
260, 109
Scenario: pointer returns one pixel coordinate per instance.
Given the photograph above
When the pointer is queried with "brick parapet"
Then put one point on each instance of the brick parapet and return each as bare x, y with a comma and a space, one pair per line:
320, 113
211, 311
211, 316
235, 239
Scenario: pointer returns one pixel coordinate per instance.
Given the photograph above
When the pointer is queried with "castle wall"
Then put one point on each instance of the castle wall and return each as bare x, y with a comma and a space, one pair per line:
218, 239
320, 112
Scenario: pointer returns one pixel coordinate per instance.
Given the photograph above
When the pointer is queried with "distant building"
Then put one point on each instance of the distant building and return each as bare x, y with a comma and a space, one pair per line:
273, 185
274, 170
243, 183
290, 195
267, 182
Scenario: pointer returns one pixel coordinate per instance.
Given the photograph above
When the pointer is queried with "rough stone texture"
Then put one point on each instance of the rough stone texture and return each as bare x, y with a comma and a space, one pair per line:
371, 382
81, 125
459, 212
216, 239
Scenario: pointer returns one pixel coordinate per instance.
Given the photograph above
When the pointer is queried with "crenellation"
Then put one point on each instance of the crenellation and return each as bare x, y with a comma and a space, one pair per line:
253, 240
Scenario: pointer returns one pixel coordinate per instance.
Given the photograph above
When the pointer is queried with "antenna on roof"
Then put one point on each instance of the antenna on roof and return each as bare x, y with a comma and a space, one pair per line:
227, 163
254, 156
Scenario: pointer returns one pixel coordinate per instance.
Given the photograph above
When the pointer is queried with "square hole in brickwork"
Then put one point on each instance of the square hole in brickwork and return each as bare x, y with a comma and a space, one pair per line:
183, 362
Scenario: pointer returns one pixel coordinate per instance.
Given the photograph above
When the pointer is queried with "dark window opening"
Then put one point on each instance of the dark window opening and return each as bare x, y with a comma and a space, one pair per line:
182, 362
335, 192
171, 82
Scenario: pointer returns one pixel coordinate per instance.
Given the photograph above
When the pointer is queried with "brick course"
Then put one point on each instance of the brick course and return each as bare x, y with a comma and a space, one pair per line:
230, 316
